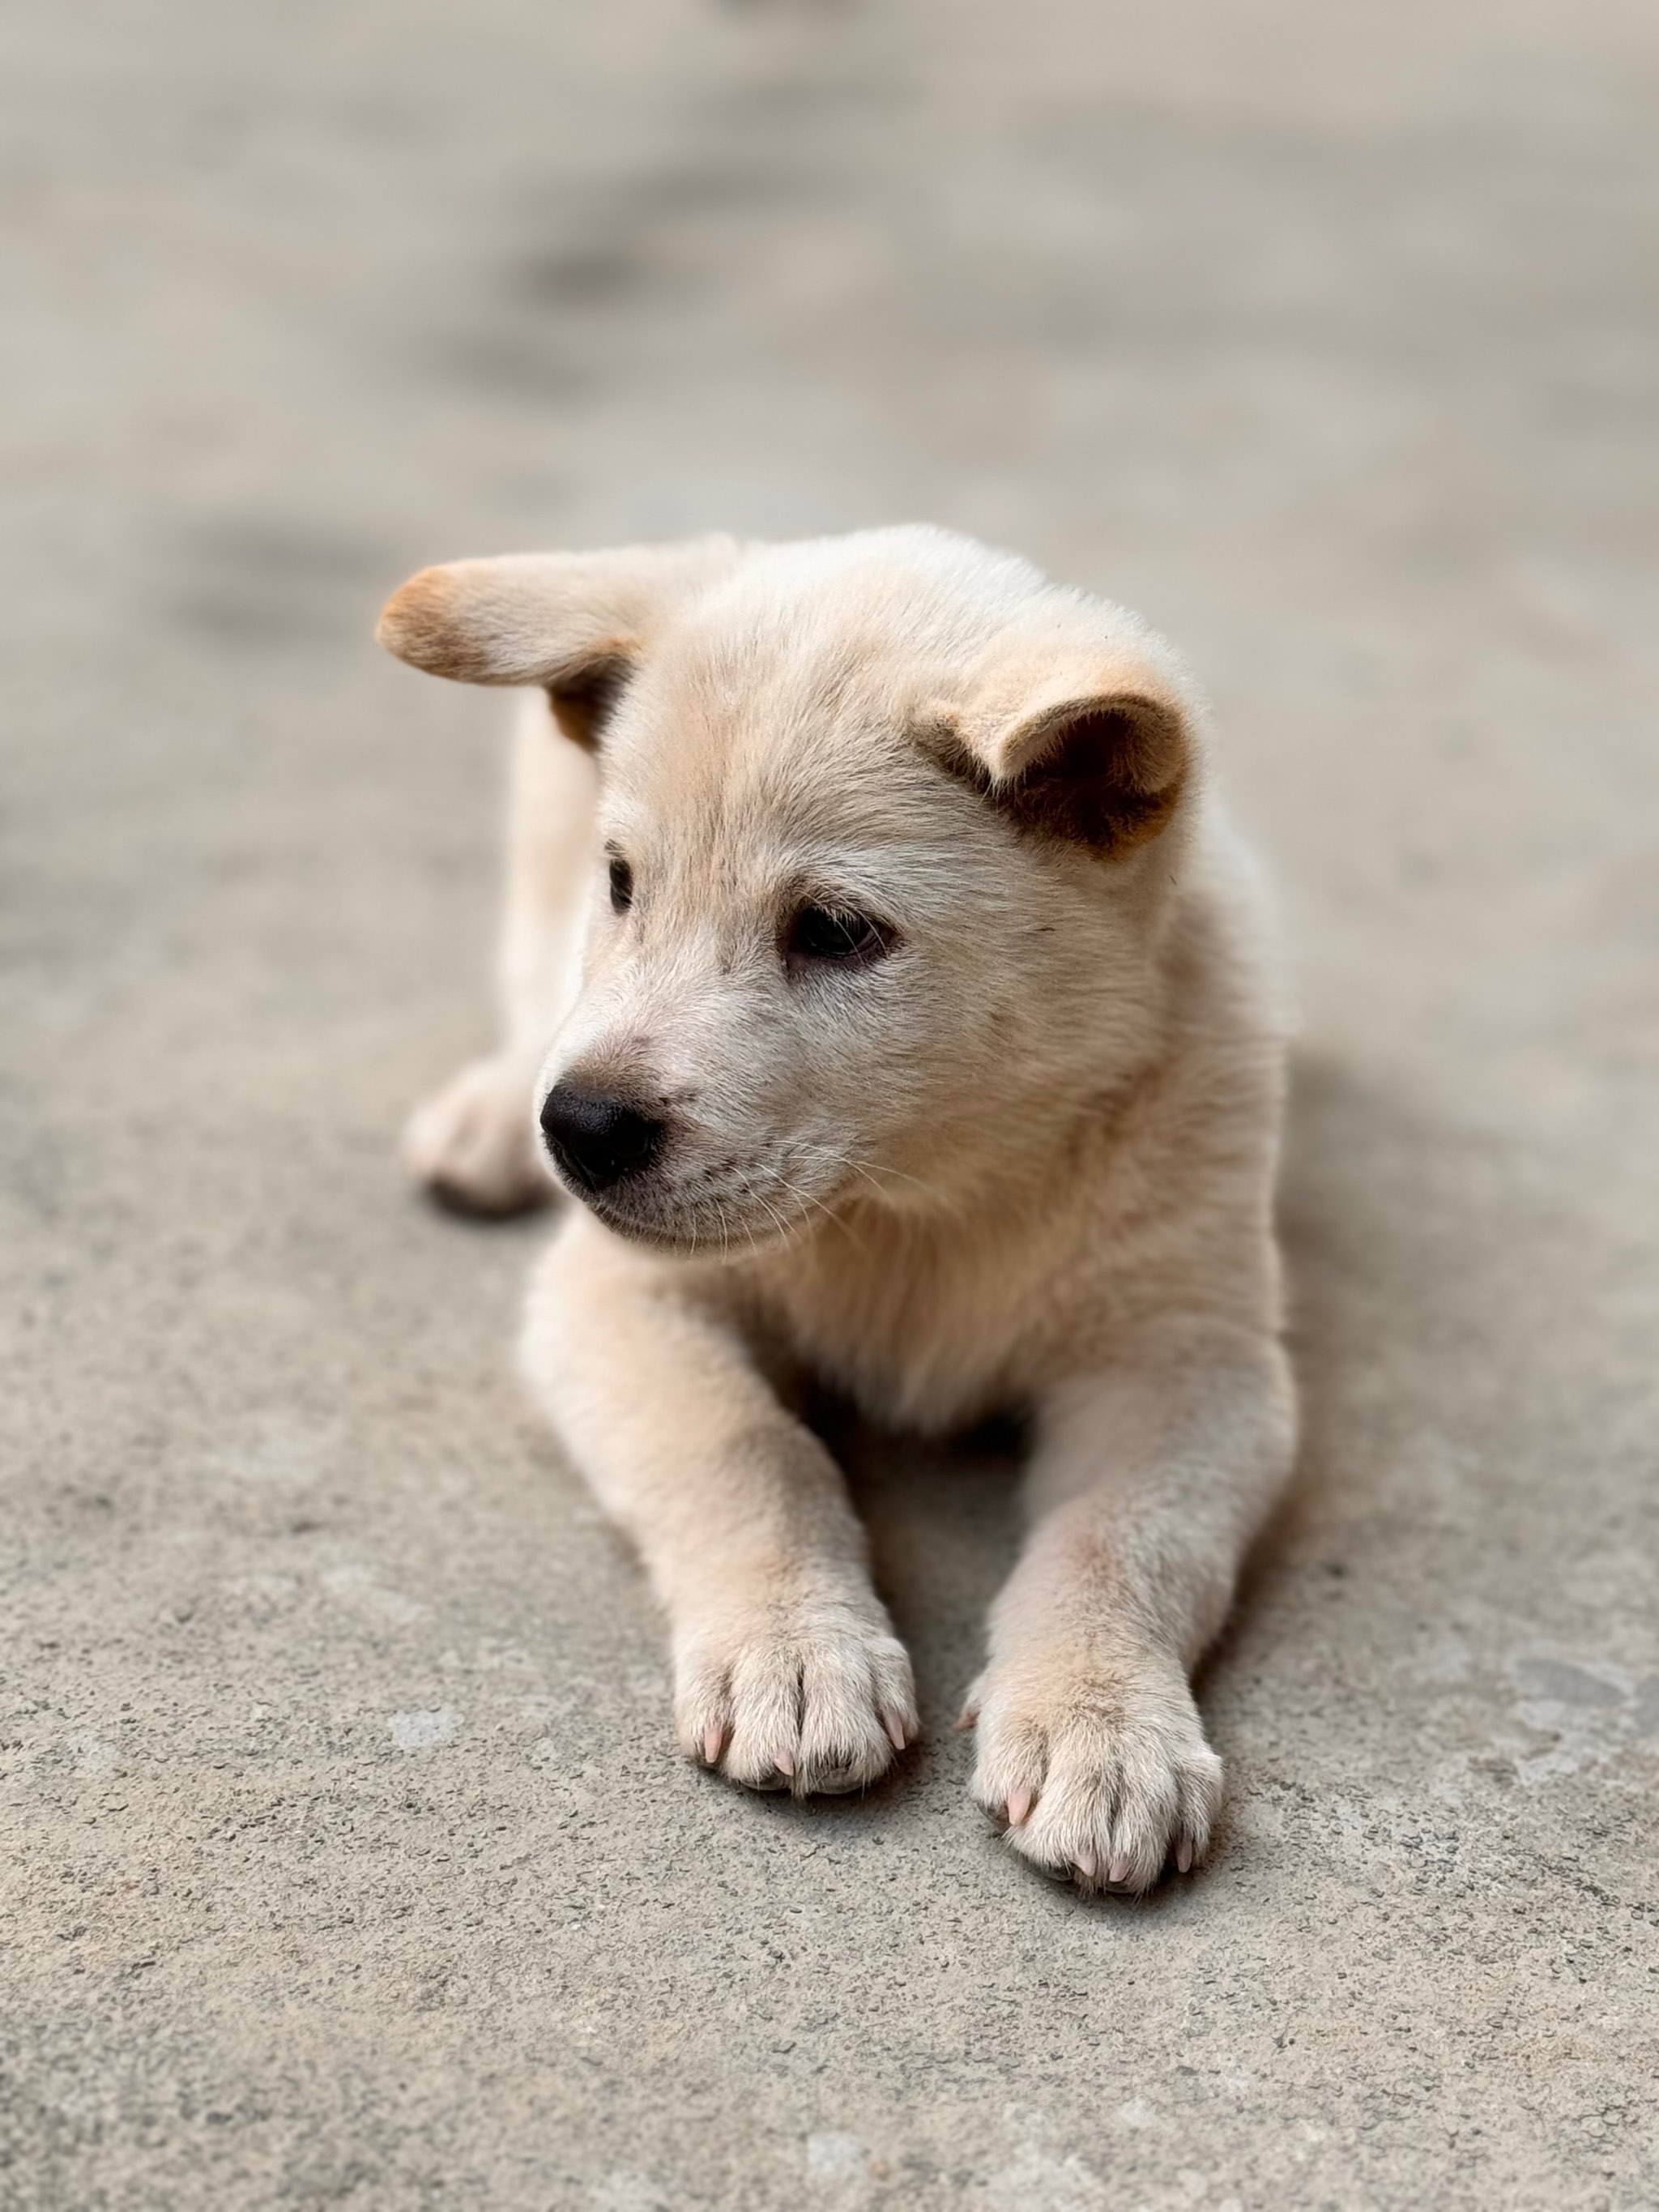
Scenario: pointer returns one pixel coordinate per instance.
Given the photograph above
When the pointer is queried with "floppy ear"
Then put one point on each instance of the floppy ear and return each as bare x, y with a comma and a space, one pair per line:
576, 622
1093, 747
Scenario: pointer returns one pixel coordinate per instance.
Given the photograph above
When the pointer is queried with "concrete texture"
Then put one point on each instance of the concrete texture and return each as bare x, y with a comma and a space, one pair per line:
346, 1861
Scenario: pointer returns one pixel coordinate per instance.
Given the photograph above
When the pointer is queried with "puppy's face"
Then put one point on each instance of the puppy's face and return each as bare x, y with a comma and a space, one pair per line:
877, 875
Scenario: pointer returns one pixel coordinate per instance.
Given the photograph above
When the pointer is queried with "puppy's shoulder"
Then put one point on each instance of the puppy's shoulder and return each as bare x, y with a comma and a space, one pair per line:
1176, 1201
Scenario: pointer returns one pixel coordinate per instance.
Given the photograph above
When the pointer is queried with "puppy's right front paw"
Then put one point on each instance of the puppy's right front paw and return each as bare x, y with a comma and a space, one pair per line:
812, 1696
473, 1145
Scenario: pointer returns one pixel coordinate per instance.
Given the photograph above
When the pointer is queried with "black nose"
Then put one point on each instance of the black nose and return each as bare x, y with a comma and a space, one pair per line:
596, 1141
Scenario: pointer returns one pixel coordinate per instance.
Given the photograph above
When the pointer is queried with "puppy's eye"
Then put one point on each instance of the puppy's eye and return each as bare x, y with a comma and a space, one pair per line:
621, 884
820, 934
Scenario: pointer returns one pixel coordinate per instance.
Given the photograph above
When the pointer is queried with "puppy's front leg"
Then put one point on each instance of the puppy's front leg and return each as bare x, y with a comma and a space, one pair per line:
1149, 1481
787, 1674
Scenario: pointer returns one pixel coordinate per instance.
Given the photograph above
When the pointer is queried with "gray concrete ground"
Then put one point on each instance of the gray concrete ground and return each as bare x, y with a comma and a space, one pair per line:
345, 1858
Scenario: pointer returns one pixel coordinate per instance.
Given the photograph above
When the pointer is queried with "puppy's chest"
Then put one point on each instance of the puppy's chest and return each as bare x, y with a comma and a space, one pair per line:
922, 1334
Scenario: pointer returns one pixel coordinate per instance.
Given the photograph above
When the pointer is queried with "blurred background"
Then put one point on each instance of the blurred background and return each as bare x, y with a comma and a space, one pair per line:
348, 1862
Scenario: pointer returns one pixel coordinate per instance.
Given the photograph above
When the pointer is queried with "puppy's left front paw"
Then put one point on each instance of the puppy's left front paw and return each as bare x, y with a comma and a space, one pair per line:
1101, 1770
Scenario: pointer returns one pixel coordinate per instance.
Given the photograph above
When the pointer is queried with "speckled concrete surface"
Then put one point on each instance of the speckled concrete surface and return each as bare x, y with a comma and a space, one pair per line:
345, 1858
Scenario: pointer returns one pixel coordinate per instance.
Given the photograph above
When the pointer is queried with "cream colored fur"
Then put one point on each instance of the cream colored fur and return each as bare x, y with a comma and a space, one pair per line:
1025, 1159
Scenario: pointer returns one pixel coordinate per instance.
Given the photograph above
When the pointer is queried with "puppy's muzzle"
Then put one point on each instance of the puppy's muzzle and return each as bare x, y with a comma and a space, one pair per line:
596, 1141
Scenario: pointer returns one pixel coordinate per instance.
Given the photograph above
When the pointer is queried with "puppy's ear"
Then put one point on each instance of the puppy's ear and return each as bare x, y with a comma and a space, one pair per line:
576, 622
1093, 747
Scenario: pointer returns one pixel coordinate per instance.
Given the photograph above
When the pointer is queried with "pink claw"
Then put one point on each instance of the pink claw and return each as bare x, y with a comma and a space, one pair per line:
784, 1762
1086, 1864
1184, 1856
895, 1728
713, 1739
1019, 1806
1119, 1870
967, 1718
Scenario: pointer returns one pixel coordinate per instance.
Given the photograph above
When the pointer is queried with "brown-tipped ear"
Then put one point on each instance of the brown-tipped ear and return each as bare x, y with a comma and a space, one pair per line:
1096, 752
576, 622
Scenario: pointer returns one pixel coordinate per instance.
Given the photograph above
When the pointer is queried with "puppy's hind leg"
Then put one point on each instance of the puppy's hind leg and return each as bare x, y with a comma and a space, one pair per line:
473, 1143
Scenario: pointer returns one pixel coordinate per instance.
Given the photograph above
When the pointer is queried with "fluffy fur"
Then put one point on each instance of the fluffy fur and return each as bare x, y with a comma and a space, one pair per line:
1022, 1156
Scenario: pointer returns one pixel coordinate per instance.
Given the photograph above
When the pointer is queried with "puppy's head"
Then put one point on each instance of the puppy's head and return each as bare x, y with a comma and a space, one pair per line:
886, 831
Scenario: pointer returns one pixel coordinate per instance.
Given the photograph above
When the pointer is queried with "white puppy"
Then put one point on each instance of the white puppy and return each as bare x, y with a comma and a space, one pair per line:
881, 977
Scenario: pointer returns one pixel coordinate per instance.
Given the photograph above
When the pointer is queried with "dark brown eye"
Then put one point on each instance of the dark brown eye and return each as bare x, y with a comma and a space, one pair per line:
621, 884
822, 935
